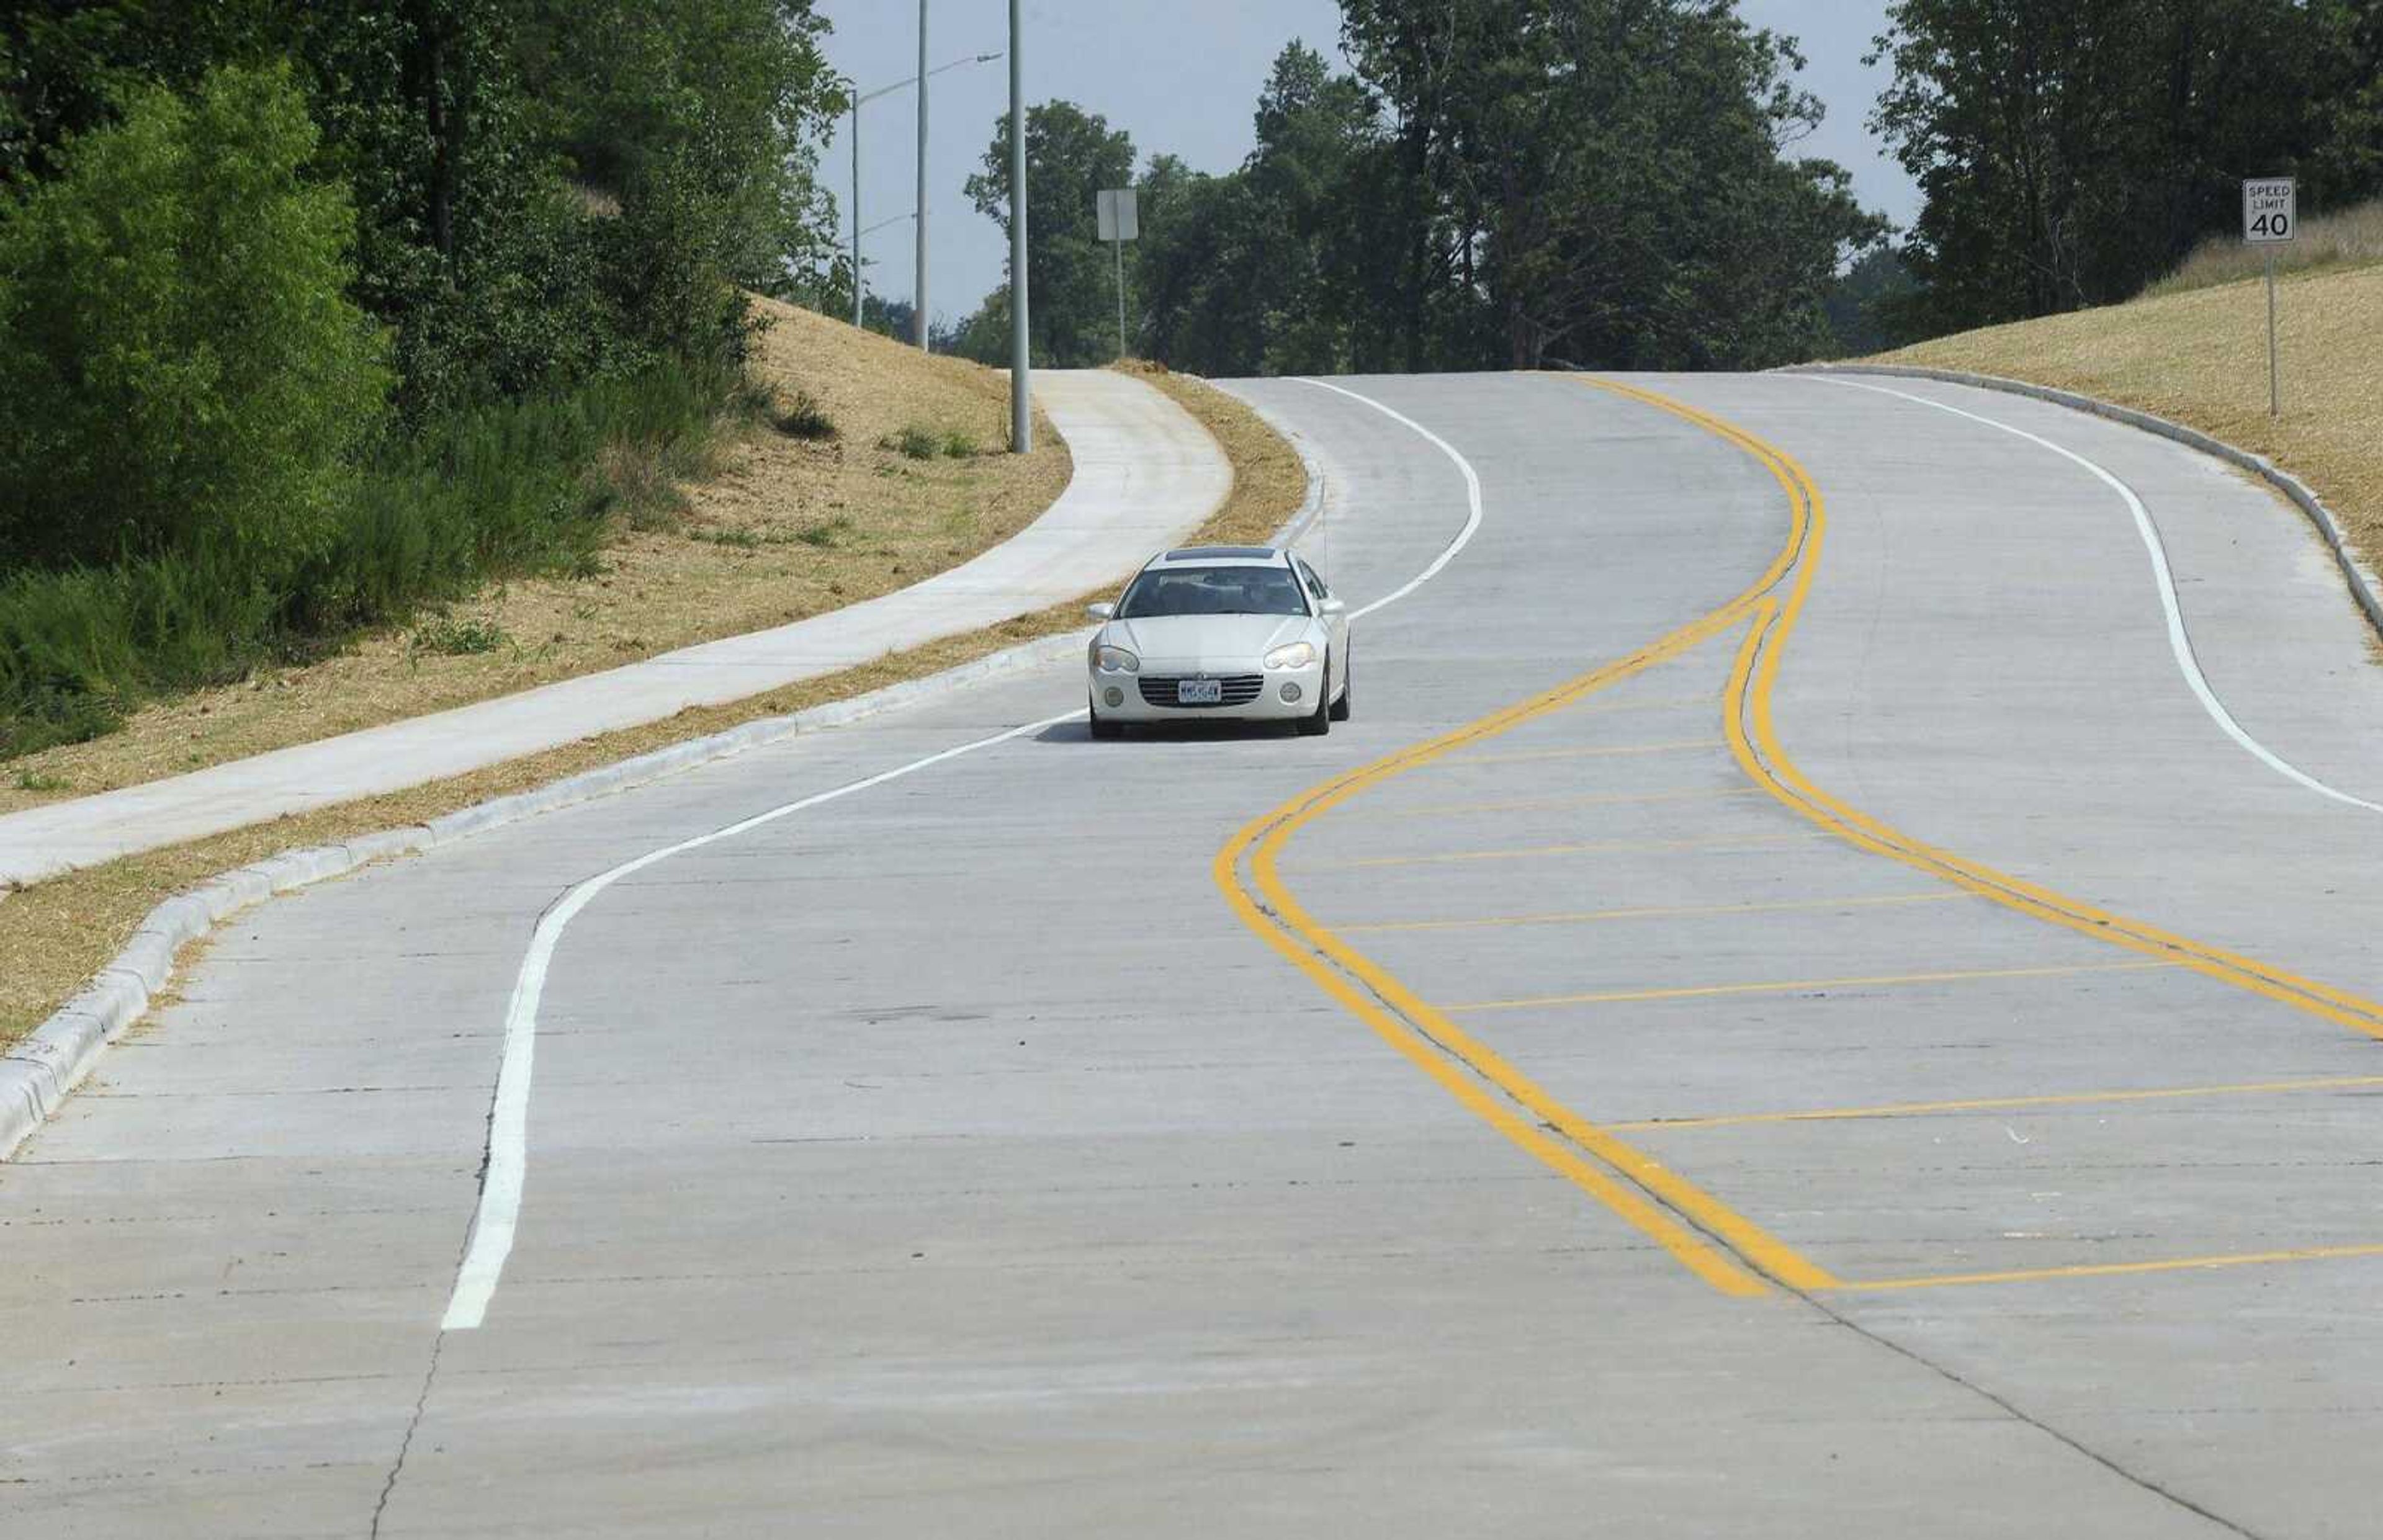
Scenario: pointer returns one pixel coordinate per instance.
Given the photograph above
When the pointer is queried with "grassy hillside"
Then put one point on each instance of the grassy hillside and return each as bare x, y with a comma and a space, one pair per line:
898, 469
2200, 357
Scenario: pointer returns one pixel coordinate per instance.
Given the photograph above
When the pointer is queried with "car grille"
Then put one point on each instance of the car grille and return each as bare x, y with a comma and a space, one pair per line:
1239, 690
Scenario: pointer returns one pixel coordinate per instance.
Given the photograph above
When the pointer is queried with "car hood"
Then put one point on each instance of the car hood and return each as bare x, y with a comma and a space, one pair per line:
1208, 644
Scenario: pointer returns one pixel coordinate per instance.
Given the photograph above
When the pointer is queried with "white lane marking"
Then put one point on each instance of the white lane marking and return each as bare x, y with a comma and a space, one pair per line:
1472, 493
2179, 641
508, 1155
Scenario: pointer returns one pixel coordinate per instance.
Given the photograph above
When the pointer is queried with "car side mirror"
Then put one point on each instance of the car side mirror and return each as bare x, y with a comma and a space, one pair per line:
1101, 611
1335, 605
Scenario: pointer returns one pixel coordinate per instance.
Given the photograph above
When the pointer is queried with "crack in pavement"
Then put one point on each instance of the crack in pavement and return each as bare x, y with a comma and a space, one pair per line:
405, 1444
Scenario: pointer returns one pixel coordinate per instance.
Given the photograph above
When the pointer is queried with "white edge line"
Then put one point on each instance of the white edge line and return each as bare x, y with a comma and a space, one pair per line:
499, 1213
2179, 640
1472, 493
500, 1190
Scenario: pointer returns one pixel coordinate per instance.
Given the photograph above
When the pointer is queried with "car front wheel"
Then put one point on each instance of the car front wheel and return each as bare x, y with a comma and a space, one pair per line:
1319, 722
1104, 729
1348, 683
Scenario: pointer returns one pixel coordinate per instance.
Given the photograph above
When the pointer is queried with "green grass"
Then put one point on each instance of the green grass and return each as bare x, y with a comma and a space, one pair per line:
534, 487
734, 538
824, 536
913, 443
918, 442
455, 639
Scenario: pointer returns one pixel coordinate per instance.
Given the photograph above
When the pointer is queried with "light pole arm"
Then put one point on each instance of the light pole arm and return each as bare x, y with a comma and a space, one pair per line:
860, 99
909, 81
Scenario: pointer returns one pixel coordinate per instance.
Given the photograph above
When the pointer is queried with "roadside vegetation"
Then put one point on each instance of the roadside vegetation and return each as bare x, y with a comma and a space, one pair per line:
315, 316
55, 935
2072, 155
2350, 238
797, 503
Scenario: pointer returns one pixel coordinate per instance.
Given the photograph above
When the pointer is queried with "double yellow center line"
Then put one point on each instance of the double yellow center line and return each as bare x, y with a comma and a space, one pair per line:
1713, 1241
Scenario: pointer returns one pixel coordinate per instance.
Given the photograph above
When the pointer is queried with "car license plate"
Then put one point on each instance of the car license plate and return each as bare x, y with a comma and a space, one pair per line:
1199, 692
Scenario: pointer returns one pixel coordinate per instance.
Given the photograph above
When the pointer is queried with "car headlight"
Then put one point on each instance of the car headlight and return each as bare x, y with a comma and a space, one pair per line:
1111, 659
1296, 655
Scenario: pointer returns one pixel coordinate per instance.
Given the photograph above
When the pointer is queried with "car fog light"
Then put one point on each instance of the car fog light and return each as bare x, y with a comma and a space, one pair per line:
1290, 693
1113, 695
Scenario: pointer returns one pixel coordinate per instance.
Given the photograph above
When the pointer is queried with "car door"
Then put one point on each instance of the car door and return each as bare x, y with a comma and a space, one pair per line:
1336, 619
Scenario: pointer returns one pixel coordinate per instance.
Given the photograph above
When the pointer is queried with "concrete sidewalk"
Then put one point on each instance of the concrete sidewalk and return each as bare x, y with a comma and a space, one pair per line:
1145, 473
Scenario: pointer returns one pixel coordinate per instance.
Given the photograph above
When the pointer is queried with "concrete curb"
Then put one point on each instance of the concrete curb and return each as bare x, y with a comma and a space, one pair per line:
2364, 587
39, 1073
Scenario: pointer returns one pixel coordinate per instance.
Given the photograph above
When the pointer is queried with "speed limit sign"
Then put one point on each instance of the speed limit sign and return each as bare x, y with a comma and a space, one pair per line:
2268, 212
2271, 218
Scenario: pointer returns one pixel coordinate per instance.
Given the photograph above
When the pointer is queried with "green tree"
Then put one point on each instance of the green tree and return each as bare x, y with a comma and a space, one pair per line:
67, 65
1280, 266
1070, 156
2069, 151
180, 369
1196, 277
733, 94
1605, 181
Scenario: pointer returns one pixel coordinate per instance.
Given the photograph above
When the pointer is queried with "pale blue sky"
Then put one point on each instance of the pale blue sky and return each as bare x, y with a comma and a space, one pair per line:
1181, 76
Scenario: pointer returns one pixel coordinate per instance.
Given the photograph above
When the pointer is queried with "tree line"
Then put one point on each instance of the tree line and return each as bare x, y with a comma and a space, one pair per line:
313, 310
2072, 150
1619, 183
1491, 184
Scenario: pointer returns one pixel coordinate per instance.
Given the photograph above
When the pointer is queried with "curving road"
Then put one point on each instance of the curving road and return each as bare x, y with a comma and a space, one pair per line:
1828, 990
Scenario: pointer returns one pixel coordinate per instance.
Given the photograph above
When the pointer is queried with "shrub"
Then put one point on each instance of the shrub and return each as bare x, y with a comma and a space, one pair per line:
806, 419
180, 370
913, 443
512, 487
959, 444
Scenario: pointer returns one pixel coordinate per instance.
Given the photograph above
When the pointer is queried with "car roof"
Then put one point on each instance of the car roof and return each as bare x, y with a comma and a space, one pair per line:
1221, 556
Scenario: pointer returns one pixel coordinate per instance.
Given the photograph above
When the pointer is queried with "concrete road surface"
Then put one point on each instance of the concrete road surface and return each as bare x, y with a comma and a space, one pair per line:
1801, 1004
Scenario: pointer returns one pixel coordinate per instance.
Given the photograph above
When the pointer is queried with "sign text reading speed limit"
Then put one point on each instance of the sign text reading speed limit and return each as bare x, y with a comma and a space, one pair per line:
2268, 214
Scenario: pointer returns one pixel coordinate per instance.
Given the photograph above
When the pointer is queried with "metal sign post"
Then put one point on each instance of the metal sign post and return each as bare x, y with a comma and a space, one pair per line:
1120, 217
2271, 218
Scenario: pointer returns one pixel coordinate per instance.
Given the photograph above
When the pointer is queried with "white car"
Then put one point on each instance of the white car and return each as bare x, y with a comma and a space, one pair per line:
1248, 633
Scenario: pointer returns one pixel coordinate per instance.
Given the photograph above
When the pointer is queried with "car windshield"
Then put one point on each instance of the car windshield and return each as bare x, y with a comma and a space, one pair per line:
1213, 591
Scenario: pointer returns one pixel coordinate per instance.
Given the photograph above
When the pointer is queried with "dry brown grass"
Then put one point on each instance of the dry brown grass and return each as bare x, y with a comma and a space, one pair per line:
2200, 357
783, 528
2351, 238
55, 935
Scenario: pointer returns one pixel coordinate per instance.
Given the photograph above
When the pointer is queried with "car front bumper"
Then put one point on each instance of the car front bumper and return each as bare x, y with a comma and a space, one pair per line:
1152, 694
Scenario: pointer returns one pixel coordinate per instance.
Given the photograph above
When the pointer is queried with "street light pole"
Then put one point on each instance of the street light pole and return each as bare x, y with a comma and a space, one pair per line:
1021, 383
919, 322
860, 99
856, 209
